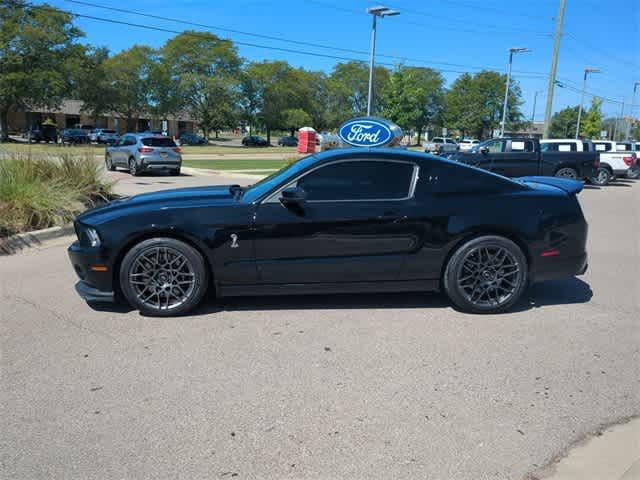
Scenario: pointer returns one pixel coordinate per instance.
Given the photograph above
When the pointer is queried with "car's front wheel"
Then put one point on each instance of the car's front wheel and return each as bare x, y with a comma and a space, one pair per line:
487, 274
163, 277
602, 177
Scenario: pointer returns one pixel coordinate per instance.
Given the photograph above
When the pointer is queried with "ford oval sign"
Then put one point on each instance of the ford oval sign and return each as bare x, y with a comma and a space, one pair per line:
366, 132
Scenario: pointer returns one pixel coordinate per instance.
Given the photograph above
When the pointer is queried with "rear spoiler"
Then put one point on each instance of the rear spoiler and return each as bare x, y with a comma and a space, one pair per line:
568, 185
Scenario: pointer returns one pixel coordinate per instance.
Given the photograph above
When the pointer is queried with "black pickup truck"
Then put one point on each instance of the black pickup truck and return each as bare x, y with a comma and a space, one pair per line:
521, 157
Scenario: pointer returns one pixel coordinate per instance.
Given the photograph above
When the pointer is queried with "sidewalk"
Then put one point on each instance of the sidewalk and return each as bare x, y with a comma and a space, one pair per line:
613, 455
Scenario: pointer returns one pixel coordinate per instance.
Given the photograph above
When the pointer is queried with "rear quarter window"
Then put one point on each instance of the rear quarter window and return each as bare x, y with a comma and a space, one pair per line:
158, 142
442, 178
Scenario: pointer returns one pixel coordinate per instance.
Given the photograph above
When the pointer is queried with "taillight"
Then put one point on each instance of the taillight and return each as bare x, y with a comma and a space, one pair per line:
177, 150
145, 149
629, 159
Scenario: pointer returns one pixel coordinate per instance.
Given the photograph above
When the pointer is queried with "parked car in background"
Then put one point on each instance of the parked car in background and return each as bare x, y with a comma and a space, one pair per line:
467, 144
103, 135
254, 141
619, 155
343, 221
142, 152
603, 174
44, 133
520, 157
192, 139
440, 145
288, 141
74, 136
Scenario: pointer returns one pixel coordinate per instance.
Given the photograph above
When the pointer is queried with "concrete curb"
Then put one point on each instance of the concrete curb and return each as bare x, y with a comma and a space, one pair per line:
611, 453
23, 241
220, 173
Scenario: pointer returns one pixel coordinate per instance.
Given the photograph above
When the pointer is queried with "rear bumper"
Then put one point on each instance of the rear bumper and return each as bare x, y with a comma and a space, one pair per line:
554, 267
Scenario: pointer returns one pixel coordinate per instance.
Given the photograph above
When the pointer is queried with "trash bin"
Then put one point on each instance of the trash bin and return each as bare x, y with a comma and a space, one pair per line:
306, 140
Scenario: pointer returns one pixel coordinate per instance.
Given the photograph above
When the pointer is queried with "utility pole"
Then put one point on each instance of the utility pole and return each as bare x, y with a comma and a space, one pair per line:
506, 90
535, 101
554, 68
615, 124
587, 71
633, 104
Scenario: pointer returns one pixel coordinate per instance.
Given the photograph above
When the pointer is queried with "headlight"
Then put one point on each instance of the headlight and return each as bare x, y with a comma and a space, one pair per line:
92, 237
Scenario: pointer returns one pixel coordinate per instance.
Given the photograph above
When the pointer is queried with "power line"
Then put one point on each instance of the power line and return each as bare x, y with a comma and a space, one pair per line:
521, 73
497, 30
602, 51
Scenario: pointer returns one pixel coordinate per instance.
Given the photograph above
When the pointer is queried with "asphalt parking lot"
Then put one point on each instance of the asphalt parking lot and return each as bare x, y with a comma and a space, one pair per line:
319, 387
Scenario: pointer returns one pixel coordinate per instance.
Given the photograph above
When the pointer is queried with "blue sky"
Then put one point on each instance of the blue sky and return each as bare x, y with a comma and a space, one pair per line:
451, 35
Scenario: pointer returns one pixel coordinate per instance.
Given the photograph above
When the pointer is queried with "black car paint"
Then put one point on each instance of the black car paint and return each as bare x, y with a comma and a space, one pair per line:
343, 246
520, 163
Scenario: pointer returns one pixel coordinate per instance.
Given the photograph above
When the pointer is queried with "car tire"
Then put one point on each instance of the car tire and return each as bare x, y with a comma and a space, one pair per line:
567, 172
163, 277
633, 173
133, 167
486, 274
602, 177
175, 172
108, 163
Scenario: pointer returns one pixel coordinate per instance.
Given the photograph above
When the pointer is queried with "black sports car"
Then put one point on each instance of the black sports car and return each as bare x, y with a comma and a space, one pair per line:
348, 220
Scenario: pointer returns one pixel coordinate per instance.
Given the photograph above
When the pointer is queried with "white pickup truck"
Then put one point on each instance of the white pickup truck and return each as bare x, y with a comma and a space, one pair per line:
440, 145
616, 158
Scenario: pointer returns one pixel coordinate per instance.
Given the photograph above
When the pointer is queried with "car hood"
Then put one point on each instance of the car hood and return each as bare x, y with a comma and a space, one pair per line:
567, 185
195, 196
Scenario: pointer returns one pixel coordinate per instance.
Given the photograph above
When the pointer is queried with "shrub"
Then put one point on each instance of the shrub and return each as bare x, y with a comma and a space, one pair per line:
41, 192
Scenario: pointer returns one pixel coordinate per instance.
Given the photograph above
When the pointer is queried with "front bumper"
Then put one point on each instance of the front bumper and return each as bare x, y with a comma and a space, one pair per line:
91, 294
93, 285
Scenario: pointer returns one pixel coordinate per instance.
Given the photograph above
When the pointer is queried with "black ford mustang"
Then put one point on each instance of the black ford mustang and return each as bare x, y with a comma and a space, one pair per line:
349, 220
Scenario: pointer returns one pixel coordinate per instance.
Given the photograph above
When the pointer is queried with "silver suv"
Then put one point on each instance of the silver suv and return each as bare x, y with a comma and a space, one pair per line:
103, 135
140, 152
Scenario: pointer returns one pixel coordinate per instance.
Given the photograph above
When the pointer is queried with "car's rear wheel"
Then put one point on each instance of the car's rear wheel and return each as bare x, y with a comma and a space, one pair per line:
175, 171
108, 163
633, 173
567, 172
487, 274
133, 167
602, 177
163, 277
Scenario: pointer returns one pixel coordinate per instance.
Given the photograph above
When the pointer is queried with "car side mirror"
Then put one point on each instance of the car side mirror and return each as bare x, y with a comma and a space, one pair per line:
484, 150
293, 195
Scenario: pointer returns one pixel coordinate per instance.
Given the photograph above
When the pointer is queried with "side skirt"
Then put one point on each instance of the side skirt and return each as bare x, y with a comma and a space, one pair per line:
316, 288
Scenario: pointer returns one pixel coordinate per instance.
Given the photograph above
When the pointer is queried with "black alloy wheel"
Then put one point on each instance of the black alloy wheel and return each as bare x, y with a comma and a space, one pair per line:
486, 275
163, 277
567, 172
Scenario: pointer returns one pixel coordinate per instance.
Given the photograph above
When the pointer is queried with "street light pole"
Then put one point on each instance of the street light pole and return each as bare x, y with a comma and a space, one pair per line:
633, 104
506, 90
376, 12
587, 71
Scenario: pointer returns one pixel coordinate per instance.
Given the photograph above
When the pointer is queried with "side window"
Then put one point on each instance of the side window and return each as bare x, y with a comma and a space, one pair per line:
496, 146
547, 147
359, 180
602, 147
129, 140
437, 140
521, 146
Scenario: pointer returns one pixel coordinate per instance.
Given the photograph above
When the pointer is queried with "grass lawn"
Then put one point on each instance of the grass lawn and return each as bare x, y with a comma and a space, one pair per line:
48, 148
253, 166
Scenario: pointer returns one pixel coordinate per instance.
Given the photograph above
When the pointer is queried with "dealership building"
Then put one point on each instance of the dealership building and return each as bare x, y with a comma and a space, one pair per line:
70, 115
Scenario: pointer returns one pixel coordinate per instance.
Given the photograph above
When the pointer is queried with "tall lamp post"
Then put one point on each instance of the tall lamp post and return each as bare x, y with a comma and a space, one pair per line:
506, 91
535, 101
587, 71
375, 12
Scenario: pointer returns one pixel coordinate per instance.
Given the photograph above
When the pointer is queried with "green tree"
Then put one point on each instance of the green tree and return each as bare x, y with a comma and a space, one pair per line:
94, 87
277, 88
473, 104
413, 98
347, 89
39, 54
591, 124
295, 118
563, 123
201, 72
127, 74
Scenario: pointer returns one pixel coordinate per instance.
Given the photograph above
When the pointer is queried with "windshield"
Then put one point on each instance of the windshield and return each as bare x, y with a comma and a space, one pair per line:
264, 186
